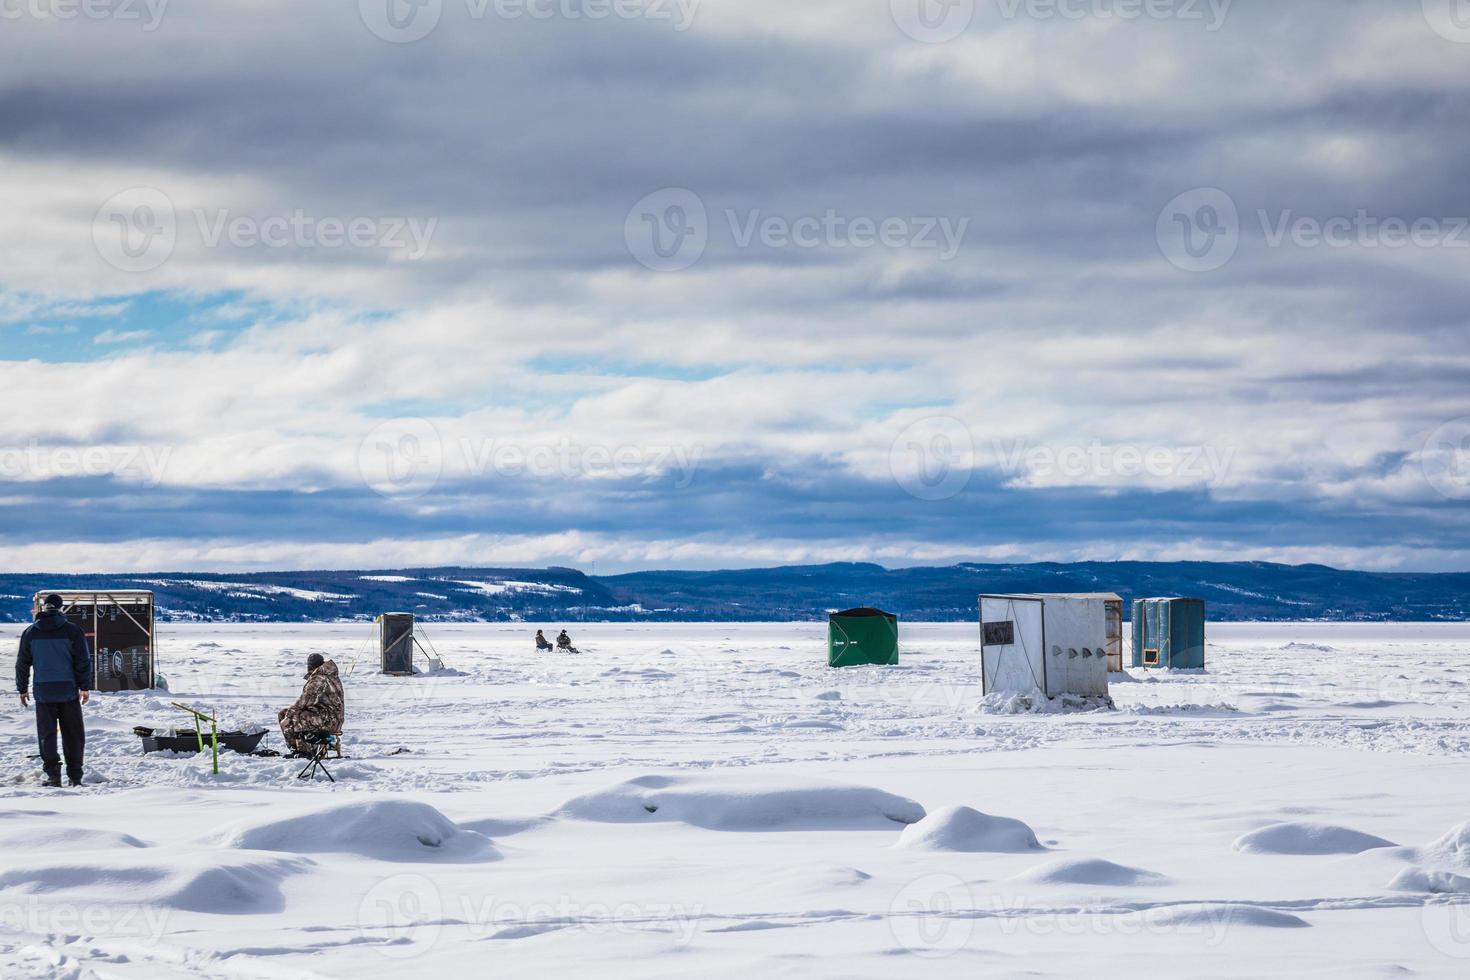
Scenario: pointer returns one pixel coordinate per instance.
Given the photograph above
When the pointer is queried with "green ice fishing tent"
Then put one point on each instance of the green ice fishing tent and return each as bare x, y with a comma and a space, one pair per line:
862, 636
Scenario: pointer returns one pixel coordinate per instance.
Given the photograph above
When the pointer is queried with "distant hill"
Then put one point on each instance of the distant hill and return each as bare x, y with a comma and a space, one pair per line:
1234, 591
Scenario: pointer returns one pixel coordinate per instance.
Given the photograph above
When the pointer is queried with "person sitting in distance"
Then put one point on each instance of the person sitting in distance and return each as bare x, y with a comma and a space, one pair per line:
321, 708
542, 643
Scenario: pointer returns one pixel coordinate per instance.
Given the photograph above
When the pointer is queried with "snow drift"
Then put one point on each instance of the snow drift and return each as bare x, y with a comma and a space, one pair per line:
1221, 916
1430, 882
190, 881
388, 830
962, 829
770, 804
1308, 838
64, 839
1450, 851
1071, 871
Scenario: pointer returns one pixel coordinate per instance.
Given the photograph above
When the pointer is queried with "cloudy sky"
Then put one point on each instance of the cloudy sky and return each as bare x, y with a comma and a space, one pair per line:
707, 283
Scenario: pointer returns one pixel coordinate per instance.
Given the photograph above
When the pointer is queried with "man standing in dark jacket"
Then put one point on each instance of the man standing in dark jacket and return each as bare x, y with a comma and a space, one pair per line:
56, 649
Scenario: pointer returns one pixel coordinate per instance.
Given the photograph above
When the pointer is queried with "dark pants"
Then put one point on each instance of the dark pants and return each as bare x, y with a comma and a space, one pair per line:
67, 714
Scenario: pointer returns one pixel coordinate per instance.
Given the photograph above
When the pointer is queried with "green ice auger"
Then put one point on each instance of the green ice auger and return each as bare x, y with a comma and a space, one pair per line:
199, 719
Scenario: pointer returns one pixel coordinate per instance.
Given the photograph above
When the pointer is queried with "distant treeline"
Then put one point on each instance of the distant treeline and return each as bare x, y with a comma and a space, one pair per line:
1234, 591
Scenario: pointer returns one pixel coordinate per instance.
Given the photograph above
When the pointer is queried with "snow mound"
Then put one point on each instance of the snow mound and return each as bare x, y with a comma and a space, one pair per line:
1036, 703
769, 804
962, 829
388, 830
1432, 882
1308, 838
1070, 871
1311, 647
65, 839
1224, 916
192, 881
1452, 850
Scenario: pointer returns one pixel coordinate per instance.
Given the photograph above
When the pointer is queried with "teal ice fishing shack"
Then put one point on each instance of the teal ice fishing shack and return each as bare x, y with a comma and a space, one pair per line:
1169, 633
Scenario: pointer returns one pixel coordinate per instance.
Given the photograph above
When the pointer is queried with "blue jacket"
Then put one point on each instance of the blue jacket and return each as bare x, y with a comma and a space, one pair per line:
57, 649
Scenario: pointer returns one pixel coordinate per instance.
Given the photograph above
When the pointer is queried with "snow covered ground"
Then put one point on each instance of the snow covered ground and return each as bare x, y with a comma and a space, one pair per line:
711, 800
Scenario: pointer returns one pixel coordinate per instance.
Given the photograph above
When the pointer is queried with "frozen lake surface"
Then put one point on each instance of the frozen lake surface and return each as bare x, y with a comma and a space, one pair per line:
712, 800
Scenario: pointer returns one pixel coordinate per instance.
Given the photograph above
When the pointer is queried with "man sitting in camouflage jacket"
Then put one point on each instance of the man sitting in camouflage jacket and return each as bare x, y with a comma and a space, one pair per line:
319, 709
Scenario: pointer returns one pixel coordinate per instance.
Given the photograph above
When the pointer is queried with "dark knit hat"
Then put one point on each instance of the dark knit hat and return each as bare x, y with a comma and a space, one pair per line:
313, 662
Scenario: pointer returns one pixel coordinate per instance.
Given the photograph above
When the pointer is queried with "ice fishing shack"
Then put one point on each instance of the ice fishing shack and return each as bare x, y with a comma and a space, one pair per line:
1169, 633
118, 624
862, 636
1052, 643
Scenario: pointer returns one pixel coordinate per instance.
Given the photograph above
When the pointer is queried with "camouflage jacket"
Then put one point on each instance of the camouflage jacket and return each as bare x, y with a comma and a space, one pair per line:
321, 706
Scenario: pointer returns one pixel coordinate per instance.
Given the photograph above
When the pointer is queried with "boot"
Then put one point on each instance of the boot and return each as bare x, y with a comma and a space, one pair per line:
53, 780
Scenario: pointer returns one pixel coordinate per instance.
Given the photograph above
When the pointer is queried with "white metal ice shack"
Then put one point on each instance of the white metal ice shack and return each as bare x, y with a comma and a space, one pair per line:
1053, 643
